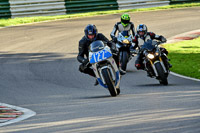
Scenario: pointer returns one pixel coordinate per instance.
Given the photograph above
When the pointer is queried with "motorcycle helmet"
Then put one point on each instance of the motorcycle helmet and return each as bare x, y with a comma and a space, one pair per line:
91, 32
142, 30
125, 19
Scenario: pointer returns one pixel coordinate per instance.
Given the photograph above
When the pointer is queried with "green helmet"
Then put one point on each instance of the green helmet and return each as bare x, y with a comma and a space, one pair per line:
125, 19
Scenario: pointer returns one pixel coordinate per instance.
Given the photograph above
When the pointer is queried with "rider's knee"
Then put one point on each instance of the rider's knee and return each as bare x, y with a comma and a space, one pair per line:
139, 65
164, 51
81, 68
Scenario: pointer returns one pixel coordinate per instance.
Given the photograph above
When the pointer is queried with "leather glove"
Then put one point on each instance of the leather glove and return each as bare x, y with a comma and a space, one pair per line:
114, 39
163, 39
133, 51
114, 49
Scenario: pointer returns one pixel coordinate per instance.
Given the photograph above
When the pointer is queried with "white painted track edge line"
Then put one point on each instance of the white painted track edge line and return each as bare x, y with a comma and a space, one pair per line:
185, 77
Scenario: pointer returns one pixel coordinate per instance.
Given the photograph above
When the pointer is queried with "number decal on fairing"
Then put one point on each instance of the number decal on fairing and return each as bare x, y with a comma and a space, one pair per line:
99, 56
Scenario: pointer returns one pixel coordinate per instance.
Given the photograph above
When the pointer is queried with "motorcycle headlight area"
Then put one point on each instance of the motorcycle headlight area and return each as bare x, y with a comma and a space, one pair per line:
126, 41
156, 54
150, 56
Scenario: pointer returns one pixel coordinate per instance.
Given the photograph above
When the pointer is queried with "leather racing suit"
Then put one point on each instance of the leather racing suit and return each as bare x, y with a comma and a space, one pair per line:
119, 27
84, 53
139, 41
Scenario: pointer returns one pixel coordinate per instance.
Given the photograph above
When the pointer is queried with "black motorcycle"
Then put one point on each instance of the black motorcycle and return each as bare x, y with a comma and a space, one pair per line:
124, 42
155, 61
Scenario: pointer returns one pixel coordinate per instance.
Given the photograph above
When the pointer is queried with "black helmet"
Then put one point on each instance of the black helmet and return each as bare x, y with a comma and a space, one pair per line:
91, 29
143, 28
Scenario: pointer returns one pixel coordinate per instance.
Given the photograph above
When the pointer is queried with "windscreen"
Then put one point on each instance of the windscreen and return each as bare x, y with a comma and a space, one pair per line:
125, 34
96, 46
149, 45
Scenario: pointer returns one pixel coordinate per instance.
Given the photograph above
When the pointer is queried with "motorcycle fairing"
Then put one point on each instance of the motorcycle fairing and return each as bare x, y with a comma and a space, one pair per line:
100, 56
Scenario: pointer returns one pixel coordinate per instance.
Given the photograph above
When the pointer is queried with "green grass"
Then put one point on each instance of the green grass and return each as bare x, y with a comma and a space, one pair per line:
185, 57
18, 21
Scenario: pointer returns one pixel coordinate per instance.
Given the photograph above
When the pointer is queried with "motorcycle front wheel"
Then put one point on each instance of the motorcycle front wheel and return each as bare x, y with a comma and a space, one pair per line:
108, 79
161, 74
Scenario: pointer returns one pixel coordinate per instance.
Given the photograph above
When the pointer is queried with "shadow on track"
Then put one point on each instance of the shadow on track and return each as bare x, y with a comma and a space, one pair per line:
156, 85
96, 97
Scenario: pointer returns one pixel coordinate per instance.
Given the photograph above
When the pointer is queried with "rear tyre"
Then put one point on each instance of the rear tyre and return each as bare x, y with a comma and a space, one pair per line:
161, 74
124, 60
107, 77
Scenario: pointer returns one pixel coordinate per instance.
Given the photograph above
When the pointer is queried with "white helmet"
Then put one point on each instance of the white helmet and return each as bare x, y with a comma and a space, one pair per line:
142, 28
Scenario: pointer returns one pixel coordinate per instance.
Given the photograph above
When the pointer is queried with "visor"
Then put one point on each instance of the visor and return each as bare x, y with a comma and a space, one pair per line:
125, 21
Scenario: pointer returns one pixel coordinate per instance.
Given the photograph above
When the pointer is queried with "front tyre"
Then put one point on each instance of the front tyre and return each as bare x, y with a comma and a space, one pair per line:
124, 60
161, 74
107, 77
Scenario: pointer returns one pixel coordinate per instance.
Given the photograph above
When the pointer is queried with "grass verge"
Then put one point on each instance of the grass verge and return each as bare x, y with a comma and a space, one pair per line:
25, 20
185, 57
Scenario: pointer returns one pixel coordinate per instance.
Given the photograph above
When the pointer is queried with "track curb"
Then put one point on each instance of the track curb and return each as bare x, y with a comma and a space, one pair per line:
11, 116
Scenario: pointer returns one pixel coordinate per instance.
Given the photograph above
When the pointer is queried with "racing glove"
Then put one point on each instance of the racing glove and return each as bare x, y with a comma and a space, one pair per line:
132, 50
163, 39
114, 49
114, 39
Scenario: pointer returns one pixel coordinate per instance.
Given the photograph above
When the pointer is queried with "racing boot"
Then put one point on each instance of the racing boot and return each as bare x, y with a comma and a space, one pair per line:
149, 74
140, 66
170, 65
96, 83
122, 72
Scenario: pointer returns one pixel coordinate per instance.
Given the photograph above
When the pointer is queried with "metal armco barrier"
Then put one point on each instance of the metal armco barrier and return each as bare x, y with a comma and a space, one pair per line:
27, 8
134, 4
21, 8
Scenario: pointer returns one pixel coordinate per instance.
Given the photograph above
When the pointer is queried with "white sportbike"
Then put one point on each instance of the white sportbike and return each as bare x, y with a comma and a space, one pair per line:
104, 67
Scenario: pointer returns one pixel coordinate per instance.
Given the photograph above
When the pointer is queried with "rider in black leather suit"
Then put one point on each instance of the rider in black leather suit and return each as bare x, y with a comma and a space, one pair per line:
91, 34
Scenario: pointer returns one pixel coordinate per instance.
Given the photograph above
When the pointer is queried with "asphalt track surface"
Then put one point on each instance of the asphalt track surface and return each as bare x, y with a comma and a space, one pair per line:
39, 71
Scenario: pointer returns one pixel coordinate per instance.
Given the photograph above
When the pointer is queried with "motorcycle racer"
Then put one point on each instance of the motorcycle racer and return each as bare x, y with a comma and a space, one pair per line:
91, 34
143, 36
124, 25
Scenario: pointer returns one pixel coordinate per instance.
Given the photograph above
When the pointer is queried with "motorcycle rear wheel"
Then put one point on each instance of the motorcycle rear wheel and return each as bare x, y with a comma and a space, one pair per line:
124, 60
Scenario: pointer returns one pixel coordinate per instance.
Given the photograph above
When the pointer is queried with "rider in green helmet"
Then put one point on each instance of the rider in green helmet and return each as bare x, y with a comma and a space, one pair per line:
125, 19
124, 25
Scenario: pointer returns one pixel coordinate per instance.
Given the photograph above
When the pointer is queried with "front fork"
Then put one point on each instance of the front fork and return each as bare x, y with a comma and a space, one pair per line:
111, 72
162, 64
154, 68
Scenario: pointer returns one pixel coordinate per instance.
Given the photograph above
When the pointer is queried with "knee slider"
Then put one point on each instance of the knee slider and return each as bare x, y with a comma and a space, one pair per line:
81, 68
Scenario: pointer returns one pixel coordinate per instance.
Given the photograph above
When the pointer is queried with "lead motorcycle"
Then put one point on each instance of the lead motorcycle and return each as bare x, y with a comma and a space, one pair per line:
155, 61
124, 42
104, 67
